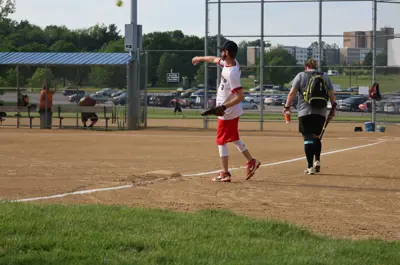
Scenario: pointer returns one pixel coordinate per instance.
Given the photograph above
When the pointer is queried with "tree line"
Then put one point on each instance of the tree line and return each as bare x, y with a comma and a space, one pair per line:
23, 36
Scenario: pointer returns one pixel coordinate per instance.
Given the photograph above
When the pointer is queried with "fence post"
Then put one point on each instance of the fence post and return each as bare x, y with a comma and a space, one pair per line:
78, 88
132, 68
374, 21
262, 69
320, 48
218, 42
145, 87
205, 120
18, 91
46, 93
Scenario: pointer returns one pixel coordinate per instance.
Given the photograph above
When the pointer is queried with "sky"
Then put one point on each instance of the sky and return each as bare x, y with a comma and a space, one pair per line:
237, 19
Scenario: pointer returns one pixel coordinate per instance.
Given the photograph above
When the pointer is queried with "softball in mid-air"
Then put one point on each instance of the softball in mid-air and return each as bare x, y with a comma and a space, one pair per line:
120, 3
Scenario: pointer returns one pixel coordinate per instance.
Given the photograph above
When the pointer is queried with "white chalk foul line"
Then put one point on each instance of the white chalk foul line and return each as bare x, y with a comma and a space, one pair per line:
73, 193
287, 161
190, 175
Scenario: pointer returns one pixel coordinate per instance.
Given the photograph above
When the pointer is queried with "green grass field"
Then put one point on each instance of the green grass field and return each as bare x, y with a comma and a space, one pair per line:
56, 234
387, 83
156, 113
341, 116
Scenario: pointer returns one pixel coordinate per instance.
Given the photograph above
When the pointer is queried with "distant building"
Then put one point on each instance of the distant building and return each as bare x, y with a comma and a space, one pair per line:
332, 56
301, 54
354, 39
364, 39
355, 55
253, 55
393, 52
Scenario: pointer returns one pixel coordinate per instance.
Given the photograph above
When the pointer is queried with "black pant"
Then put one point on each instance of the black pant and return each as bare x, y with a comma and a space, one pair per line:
89, 116
311, 124
177, 109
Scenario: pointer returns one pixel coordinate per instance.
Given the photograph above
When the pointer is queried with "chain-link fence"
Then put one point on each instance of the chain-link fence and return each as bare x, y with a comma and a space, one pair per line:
174, 87
68, 85
354, 42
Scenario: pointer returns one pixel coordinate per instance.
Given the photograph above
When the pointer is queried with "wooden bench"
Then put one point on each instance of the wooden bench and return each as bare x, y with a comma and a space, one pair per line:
60, 110
28, 109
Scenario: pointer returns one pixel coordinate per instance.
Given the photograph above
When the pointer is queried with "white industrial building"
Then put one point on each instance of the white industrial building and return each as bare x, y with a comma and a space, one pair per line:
393, 52
301, 54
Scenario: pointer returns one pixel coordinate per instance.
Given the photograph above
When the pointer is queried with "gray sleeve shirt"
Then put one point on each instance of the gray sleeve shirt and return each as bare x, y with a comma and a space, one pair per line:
300, 84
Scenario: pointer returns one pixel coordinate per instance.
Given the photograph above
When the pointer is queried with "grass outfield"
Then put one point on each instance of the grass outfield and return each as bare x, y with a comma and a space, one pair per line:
195, 114
56, 234
387, 83
341, 116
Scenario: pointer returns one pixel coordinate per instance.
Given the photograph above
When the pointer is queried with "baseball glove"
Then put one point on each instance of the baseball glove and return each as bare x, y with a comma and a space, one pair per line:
217, 111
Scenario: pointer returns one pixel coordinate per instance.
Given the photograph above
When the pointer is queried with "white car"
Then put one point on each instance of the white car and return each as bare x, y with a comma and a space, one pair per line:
253, 99
100, 99
105, 92
270, 100
249, 105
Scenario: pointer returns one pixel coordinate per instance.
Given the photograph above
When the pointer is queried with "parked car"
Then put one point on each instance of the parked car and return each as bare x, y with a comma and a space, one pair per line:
253, 99
350, 104
117, 93
249, 105
265, 87
70, 91
274, 100
120, 99
392, 107
100, 99
105, 92
75, 98
161, 100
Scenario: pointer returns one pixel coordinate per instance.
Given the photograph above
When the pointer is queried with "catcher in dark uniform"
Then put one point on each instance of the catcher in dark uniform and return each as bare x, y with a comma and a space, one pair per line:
85, 116
177, 105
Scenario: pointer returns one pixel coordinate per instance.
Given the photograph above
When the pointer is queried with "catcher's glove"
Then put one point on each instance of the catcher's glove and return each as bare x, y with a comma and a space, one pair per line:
217, 111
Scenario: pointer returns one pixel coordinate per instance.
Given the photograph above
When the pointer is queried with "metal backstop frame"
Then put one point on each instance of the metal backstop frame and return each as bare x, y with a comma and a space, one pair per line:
263, 4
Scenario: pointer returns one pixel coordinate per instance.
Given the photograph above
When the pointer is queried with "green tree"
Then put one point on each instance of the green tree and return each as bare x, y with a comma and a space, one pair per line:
212, 76
41, 76
9, 79
281, 66
62, 46
381, 59
109, 76
7, 7
368, 59
169, 62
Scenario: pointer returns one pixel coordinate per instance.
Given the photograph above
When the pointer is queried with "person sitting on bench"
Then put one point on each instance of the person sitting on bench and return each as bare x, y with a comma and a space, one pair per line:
85, 116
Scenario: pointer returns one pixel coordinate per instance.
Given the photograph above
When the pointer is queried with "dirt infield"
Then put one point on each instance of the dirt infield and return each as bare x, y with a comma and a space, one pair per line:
357, 194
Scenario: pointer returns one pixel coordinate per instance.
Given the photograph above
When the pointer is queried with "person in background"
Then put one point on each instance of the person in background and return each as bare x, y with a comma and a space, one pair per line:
85, 116
311, 117
45, 108
177, 105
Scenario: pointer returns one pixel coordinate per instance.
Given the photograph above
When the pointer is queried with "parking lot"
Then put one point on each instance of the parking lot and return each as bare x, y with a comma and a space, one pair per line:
194, 98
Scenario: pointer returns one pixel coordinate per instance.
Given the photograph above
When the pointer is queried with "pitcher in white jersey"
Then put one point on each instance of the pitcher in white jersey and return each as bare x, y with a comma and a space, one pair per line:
229, 97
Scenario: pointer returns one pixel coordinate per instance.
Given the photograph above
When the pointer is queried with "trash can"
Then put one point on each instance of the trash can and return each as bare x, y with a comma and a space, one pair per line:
380, 128
370, 127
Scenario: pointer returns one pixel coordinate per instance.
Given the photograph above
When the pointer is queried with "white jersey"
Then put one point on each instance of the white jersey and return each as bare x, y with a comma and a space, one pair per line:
229, 85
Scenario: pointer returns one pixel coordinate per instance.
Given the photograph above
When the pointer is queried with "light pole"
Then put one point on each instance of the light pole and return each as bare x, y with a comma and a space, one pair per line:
132, 72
